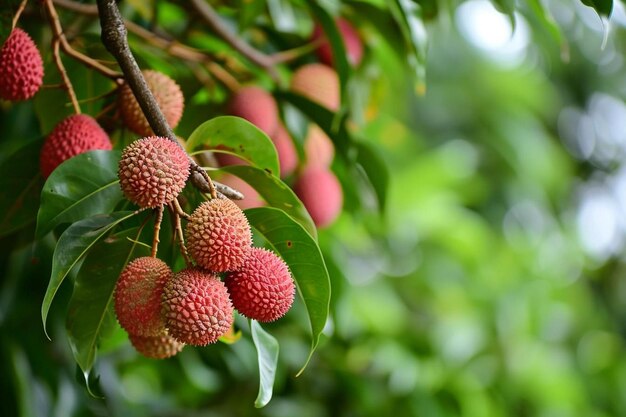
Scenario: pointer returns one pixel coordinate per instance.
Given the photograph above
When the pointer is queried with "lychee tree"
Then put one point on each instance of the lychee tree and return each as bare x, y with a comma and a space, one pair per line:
148, 127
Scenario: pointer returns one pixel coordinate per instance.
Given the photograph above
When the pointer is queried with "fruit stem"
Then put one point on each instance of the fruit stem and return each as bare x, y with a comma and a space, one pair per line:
18, 14
177, 212
157, 230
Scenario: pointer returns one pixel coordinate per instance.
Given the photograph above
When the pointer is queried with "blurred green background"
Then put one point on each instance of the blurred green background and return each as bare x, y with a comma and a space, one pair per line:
494, 285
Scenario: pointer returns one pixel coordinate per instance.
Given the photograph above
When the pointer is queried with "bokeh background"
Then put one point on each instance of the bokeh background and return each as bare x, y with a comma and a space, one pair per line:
494, 284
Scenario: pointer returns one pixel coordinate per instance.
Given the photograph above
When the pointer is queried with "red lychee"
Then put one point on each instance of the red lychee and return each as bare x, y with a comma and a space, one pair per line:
161, 346
263, 288
256, 106
351, 41
218, 235
153, 171
196, 307
321, 193
251, 196
318, 148
138, 294
319, 83
21, 67
167, 94
287, 154
72, 136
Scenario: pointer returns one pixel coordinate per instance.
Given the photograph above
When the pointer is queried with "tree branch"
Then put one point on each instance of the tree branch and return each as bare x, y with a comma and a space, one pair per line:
114, 38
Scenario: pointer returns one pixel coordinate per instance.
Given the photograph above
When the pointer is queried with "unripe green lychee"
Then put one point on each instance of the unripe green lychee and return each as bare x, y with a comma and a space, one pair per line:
167, 94
287, 154
263, 288
256, 106
351, 41
153, 171
319, 83
21, 67
138, 294
318, 148
72, 136
196, 307
218, 235
321, 194
161, 346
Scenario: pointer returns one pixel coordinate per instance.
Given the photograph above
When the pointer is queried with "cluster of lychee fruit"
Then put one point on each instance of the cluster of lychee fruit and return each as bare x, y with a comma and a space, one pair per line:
162, 311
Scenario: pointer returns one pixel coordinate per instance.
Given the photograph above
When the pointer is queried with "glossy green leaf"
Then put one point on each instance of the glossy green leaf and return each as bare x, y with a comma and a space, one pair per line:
276, 193
305, 261
90, 315
267, 353
80, 187
408, 17
238, 136
375, 170
507, 7
602, 7
547, 22
73, 244
21, 183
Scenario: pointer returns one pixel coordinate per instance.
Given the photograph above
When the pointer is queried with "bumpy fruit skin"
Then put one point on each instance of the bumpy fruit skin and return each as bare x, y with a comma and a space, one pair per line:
318, 148
251, 196
351, 40
162, 346
196, 307
256, 106
219, 236
21, 67
321, 193
138, 294
167, 94
287, 154
72, 136
263, 288
153, 171
319, 83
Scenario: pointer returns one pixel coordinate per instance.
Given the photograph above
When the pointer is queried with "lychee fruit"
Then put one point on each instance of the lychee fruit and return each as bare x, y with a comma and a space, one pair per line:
218, 235
256, 106
319, 83
318, 147
167, 94
161, 346
251, 198
72, 136
287, 154
21, 67
153, 171
263, 288
138, 294
351, 41
196, 307
320, 192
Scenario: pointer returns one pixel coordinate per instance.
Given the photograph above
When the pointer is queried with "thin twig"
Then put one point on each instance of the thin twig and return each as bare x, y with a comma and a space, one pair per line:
179, 210
179, 231
66, 79
18, 13
295, 53
227, 191
213, 20
157, 230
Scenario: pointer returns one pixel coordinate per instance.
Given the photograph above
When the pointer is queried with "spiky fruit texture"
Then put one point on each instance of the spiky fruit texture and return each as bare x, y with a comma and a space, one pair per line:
287, 154
321, 193
161, 346
196, 307
72, 136
351, 40
138, 294
218, 235
318, 148
319, 83
256, 106
251, 196
21, 67
153, 171
262, 289
167, 94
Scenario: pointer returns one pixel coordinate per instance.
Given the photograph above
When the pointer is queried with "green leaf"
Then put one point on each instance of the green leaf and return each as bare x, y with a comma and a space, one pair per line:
507, 7
80, 187
408, 17
238, 136
89, 313
21, 183
547, 22
304, 258
275, 192
267, 353
7, 12
602, 7
73, 244
375, 170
